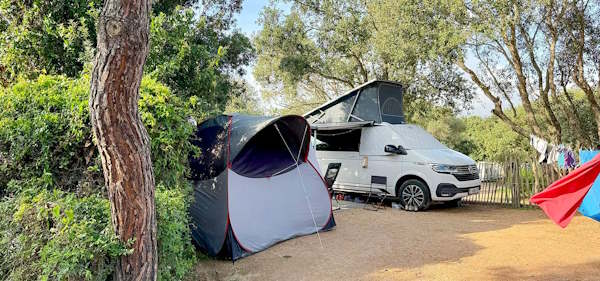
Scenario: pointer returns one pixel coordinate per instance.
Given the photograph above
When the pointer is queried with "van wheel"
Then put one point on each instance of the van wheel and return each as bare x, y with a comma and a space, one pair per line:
414, 195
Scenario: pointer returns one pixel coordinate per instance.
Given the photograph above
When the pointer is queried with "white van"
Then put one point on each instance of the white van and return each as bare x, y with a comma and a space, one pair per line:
379, 153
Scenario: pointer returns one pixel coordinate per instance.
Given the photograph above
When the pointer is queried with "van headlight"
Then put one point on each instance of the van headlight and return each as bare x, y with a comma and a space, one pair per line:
444, 169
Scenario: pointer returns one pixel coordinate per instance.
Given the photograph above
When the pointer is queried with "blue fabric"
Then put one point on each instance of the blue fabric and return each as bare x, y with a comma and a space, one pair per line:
586, 155
561, 160
590, 207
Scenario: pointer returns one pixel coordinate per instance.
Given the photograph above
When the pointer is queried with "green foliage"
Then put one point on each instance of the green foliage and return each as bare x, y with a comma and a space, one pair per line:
324, 47
494, 140
176, 252
54, 235
45, 133
54, 37
194, 50
165, 118
58, 219
195, 58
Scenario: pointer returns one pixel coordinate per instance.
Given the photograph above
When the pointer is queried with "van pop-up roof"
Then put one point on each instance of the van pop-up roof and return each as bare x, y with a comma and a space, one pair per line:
375, 101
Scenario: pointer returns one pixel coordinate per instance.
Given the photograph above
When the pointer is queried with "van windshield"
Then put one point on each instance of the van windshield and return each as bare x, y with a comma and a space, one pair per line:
415, 137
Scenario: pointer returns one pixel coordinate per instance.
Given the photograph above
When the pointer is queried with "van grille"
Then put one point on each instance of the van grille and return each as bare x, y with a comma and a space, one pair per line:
466, 173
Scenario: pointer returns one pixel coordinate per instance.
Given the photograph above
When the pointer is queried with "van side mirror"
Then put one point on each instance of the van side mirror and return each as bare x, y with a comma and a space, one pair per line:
401, 150
390, 148
395, 149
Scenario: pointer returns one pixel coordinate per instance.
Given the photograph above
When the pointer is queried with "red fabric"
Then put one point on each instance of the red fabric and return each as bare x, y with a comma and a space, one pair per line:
562, 198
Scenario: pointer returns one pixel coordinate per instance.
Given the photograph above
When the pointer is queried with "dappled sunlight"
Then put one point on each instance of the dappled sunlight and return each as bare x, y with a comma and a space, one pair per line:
470, 242
529, 250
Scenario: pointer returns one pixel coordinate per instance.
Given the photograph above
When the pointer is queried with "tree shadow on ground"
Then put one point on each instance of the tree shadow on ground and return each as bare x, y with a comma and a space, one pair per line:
585, 271
370, 241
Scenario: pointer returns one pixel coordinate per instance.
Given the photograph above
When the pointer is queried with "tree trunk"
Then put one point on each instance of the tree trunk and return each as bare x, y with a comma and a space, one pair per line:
498, 111
123, 30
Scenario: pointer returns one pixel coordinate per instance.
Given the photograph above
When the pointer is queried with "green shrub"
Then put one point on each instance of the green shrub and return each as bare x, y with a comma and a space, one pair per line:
45, 132
176, 252
56, 218
53, 235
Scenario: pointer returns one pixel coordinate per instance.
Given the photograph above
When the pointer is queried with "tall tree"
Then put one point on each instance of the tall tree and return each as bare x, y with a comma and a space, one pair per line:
323, 47
514, 51
123, 30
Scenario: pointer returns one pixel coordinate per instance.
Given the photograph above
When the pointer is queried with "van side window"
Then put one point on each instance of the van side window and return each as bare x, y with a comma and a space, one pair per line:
339, 140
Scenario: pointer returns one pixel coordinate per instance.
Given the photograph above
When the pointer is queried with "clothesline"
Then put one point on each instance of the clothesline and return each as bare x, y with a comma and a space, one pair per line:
560, 154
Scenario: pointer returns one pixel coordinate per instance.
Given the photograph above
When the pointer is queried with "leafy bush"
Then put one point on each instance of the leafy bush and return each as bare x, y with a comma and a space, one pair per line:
56, 218
45, 132
165, 116
176, 253
55, 235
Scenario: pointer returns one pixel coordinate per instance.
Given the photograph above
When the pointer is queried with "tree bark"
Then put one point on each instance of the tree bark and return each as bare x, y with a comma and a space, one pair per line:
579, 67
498, 111
515, 61
122, 140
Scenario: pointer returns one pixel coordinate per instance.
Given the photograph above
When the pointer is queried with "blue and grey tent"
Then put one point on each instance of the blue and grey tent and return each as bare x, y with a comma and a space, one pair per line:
256, 182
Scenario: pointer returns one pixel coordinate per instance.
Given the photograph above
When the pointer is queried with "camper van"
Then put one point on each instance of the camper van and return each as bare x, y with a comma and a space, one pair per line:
364, 130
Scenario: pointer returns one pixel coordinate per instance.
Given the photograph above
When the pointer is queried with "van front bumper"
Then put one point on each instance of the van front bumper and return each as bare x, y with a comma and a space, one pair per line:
448, 190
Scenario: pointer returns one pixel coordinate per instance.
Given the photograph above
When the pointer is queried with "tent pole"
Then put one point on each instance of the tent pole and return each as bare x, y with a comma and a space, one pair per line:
301, 179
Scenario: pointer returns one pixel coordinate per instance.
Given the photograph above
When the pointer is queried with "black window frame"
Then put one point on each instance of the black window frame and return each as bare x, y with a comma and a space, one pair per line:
344, 140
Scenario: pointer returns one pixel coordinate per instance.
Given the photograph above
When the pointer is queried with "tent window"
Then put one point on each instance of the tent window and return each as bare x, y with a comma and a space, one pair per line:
339, 140
390, 97
336, 113
265, 154
367, 106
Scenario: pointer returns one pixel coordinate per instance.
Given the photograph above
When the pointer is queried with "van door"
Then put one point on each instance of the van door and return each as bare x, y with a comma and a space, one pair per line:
378, 162
341, 146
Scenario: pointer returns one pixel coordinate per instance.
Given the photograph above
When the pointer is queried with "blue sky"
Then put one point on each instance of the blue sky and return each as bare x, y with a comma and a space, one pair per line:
246, 22
251, 9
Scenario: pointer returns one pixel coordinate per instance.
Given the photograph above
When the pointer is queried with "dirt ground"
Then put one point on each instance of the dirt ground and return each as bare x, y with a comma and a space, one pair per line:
465, 243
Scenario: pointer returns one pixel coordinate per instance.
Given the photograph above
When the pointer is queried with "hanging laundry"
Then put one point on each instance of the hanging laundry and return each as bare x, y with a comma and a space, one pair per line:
563, 197
540, 145
561, 160
553, 154
570, 162
586, 155
590, 206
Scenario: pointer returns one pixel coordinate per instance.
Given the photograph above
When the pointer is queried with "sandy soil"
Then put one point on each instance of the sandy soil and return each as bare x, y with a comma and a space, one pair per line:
466, 243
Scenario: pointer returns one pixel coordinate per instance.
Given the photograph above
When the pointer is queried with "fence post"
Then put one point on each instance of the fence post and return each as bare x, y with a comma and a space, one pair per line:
517, 189
536, 174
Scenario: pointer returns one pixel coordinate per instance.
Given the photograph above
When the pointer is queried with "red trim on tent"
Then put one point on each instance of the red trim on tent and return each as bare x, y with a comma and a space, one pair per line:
228, 168
326, 191
227, 172
229, 141
308, 144
238, 240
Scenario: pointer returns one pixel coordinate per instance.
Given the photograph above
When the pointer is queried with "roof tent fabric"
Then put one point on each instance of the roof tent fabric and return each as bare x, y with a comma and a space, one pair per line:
377, 101
255, 183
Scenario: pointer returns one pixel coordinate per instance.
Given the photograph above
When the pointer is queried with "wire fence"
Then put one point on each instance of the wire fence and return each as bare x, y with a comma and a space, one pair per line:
512, 182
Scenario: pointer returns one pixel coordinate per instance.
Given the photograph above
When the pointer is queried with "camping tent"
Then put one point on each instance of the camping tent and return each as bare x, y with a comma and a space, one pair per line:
256, 183
377, 101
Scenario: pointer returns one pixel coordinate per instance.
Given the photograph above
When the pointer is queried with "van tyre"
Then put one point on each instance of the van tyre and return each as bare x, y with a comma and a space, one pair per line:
414, 195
